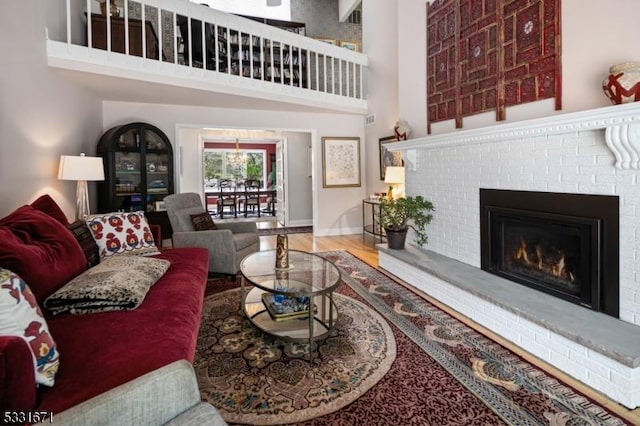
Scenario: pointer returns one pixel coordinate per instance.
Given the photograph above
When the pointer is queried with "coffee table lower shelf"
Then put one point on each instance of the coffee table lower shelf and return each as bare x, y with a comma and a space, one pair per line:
299, 329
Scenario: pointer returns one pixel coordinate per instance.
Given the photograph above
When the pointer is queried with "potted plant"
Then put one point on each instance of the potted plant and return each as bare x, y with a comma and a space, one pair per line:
400, 214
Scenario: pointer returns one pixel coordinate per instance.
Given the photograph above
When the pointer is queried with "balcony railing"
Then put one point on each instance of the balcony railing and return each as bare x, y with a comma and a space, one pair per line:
187, 44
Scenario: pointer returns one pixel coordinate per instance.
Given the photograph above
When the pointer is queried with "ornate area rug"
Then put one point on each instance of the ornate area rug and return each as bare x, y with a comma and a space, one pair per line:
255, 379
445, 373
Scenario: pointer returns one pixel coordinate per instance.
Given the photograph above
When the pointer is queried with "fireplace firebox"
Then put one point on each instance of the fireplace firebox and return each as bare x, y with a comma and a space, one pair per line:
566, 245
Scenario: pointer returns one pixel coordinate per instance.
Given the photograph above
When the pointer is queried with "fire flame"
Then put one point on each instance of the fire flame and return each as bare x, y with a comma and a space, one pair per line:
556, 268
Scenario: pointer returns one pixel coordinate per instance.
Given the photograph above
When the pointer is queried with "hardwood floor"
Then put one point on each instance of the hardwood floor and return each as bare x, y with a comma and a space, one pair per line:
364, 248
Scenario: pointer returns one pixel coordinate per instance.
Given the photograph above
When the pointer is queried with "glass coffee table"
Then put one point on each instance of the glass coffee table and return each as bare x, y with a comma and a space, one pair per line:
281, 300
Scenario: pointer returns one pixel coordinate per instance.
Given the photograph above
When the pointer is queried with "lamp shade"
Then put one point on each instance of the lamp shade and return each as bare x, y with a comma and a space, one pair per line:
394, 175
79, 167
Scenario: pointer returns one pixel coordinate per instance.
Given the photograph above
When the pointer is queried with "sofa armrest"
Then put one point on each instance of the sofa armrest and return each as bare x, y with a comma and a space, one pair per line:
152, 399
219, 243
17, 376
211, 240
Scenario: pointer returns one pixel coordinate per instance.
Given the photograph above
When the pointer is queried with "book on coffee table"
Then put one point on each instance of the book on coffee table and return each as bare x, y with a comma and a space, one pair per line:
282, 307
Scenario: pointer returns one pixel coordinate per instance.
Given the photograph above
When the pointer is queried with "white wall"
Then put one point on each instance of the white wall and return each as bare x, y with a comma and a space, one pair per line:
42, 115
252, 8
299, 179
591, 43
380, 43
337, 210
412, 65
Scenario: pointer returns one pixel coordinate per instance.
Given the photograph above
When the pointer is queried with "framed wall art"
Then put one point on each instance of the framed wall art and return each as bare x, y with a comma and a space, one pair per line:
327, 40
387, 157
351, 45
340, 162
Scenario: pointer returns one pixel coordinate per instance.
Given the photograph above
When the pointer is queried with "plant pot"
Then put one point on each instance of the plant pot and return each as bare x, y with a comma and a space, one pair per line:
396, 238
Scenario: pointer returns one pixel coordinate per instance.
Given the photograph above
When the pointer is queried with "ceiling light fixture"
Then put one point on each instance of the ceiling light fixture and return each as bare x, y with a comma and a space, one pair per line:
238, 159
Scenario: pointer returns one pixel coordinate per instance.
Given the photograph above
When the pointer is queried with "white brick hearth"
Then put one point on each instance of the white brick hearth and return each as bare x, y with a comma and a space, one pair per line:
590, 152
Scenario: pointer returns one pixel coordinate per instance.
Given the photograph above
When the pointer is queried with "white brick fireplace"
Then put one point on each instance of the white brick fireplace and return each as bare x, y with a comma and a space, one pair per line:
589, 152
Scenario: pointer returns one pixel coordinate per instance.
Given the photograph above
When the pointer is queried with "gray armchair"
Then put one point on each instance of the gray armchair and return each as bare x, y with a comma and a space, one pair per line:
227, 245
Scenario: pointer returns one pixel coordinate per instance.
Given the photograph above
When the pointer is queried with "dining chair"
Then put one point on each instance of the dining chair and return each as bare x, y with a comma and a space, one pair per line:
251, 196
228, 197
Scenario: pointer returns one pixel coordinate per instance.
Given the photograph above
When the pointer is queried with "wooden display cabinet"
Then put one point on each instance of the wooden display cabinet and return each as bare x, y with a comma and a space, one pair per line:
99, 35
138, 169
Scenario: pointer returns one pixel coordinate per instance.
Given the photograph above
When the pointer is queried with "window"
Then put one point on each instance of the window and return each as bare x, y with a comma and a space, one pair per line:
218, 164
355, 17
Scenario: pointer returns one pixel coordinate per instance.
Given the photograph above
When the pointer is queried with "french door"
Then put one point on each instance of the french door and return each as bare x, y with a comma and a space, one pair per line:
281, 209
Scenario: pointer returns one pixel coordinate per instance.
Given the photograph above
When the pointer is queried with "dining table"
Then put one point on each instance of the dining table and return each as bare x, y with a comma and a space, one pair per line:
238, 196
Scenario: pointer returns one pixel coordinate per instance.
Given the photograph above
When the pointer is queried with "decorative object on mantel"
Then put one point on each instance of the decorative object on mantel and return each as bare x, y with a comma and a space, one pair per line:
623, 83
402, 130
400, 214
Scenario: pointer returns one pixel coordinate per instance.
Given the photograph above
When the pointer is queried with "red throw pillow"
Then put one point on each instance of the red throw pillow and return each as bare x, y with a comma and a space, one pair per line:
47, 205
40, 250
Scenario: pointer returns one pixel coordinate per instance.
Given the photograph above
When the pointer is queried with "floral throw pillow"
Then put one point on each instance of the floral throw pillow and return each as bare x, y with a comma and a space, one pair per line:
20, 316
122, 233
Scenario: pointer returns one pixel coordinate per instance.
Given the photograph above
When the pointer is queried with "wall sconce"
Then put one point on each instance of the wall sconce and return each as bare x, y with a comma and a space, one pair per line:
81, 169
395, 176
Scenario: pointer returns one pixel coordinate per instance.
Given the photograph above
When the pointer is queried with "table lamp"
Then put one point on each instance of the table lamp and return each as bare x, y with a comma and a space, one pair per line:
394, 176
81, 169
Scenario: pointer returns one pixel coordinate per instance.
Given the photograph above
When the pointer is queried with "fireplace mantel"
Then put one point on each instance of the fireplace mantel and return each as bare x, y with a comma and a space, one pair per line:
621, 124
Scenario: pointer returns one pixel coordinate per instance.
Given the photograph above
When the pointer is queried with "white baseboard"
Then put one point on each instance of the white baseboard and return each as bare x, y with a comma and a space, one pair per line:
303, 222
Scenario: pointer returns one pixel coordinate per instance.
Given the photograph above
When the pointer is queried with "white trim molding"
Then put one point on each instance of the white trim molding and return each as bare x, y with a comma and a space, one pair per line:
621, 124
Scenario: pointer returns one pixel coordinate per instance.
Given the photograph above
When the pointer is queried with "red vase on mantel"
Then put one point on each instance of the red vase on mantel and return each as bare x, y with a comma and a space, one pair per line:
623, 83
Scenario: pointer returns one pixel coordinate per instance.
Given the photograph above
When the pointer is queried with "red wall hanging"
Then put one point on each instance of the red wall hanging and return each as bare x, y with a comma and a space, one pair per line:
485, 55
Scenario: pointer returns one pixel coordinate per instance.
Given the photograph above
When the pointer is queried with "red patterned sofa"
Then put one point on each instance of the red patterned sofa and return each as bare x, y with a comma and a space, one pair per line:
117, 367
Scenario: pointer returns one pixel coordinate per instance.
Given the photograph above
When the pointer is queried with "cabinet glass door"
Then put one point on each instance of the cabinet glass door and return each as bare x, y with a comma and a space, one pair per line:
157, 169
128, 176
